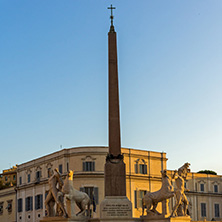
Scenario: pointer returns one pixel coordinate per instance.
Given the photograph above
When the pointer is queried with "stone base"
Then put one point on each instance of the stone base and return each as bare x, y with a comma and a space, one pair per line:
169, 219
115, 207
116, 220
62, 219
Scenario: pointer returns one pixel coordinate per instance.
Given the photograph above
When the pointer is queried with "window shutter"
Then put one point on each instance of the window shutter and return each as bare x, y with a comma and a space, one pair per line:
93, 166
96, 194
36, 202
84, 166
136, 168
31, 203
26, 204
135, 198
41, 201
145, 169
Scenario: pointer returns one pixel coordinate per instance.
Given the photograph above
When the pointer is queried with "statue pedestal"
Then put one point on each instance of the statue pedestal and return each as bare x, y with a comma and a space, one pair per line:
62, 219
160, 218
115, 208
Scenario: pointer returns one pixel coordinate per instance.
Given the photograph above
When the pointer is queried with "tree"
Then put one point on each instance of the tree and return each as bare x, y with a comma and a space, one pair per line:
207, 172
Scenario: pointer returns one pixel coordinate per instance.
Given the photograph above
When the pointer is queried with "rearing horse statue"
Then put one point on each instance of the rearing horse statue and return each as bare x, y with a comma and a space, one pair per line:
80, 198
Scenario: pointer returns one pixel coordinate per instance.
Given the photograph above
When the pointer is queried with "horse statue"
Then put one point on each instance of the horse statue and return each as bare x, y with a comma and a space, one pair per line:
81, 199
152, 199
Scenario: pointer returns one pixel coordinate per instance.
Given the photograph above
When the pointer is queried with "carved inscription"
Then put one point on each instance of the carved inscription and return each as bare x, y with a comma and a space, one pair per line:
116, 210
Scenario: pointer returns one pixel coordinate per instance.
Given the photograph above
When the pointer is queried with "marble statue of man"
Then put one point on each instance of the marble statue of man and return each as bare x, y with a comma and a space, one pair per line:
180, 196
54, 182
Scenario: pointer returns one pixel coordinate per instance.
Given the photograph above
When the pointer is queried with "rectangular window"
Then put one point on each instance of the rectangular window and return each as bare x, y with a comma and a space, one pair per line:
20, 180
29, 178
217, 210
60, 168
20, 205
89, 166
14, 177
29, 203
6, 178
93, 193
38, 175
143, 168
1, 207
202, 187
49, 172
39, 201
203, 210
138, 196
215, 189
9, 205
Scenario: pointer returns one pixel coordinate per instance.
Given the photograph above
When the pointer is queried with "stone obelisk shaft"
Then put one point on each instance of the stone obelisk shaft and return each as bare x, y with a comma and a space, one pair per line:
114, 120
115, 176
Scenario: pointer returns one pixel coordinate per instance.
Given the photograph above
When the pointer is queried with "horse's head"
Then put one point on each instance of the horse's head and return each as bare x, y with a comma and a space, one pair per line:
70, 174
164, 173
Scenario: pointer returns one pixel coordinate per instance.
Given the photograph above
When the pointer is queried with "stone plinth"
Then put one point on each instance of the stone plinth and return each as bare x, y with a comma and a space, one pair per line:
62, 219
116, 207
162, 219
115, 178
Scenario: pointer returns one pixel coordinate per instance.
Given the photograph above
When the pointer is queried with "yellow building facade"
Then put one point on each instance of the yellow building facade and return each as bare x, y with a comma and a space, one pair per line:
142, 174
8, 177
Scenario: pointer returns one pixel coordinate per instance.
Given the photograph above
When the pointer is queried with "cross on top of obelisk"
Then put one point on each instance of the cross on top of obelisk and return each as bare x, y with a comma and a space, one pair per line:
111, 17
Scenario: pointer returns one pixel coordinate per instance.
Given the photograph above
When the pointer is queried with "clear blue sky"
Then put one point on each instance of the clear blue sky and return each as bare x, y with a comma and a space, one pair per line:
54, 85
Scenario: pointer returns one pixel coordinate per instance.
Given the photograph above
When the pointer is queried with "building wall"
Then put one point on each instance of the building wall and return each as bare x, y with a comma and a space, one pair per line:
7, 213
148, 179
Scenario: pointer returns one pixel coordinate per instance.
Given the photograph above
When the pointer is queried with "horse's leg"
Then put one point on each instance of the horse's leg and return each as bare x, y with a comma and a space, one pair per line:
79, 206
148, 205
154, 208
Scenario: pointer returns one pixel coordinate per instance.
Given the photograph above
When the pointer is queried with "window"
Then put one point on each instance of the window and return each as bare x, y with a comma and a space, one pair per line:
89, 166
138, 196
217, 210
203, 210
215, 188
202, 187
143, 168
14, 177
9, 205
60, 168
38, 175
28, 203
6, 178
92, 193
29, 178
38, 201
20, 180
185, 184
1, 207
20, 205
49, 172
140, 166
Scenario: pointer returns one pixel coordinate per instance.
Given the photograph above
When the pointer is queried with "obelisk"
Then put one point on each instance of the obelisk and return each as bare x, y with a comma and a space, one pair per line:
116, 204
